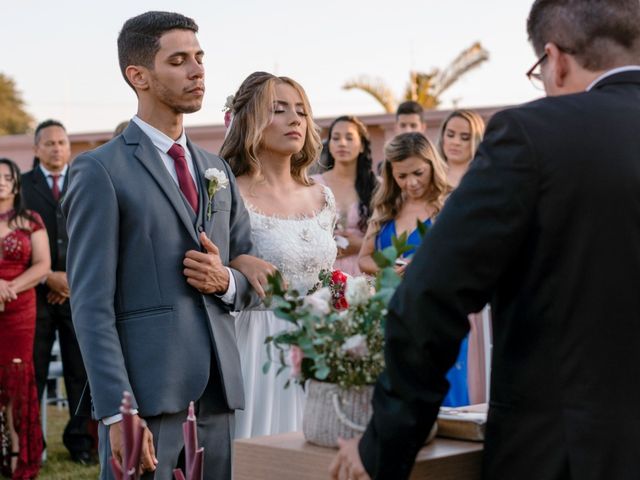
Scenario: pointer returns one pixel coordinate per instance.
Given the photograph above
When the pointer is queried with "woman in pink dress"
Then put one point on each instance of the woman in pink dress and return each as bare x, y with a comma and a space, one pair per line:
350, 178
25, 261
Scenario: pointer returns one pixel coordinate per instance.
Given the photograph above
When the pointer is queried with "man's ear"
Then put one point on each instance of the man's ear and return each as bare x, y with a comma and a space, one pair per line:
559, 64
138, 76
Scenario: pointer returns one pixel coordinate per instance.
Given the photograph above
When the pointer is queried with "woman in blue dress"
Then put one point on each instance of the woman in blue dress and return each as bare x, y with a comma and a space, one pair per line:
413, 189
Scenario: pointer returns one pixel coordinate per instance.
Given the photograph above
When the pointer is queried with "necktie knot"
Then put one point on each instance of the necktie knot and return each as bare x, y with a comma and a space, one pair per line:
185, 180
177, 153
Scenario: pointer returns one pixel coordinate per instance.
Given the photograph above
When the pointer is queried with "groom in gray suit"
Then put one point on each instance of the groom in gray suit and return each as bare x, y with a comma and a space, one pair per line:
146, 261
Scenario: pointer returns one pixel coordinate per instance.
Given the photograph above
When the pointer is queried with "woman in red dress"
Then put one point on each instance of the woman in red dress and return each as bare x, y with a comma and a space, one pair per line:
24, 261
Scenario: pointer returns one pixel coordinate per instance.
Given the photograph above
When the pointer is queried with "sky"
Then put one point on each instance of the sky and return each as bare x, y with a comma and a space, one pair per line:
62, 55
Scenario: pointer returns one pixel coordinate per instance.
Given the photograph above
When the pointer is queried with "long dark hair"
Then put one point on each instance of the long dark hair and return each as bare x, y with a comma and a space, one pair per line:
19, 210
365, 179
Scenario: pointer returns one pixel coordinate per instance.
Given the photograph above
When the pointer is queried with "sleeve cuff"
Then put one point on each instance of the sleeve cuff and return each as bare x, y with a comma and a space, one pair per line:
116, 418
229, 297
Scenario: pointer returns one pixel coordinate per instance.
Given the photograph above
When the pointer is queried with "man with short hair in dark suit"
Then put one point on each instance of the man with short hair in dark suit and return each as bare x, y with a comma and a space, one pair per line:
42, 189
546, 225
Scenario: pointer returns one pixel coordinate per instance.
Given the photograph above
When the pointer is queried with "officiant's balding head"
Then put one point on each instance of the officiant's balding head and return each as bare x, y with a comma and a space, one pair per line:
578, 40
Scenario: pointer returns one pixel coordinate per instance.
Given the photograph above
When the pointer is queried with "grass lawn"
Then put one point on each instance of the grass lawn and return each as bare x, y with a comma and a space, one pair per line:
59, 465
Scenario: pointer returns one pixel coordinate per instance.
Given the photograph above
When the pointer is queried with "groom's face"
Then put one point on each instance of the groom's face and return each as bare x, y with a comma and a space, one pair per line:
177, 78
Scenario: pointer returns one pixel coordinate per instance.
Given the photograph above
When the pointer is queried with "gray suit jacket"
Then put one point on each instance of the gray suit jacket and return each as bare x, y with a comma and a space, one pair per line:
140, 326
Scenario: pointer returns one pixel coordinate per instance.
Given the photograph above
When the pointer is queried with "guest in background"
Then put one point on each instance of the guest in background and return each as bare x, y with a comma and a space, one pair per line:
24, 262
270, 145
413, 189
43, 189
460, 135
351, 180
409, 118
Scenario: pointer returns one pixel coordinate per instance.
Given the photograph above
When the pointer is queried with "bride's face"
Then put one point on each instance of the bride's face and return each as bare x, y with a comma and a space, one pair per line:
286, 133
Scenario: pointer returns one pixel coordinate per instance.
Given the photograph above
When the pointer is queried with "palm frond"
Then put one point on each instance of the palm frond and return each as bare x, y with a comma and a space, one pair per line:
376, 88
466, 61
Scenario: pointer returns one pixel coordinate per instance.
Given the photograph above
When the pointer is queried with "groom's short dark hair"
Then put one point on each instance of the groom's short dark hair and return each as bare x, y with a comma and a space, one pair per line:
600, 34
139, 39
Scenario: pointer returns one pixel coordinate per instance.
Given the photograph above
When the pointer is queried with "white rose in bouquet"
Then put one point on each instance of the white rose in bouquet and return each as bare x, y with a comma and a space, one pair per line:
358, 291
356, 346
319, 302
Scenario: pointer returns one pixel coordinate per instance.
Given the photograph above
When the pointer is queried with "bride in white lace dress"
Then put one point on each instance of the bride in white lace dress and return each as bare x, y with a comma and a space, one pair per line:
292, 223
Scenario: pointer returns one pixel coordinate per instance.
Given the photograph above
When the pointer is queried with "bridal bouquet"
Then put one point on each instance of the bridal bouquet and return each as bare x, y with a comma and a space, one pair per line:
337, 333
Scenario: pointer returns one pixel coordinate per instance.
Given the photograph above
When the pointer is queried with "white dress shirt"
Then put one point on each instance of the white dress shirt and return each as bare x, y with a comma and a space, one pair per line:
48, 176
613, 71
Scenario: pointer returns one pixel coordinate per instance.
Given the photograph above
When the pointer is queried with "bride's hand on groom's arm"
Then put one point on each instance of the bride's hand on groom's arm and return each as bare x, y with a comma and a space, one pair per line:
255, 269
148, 460
204, 270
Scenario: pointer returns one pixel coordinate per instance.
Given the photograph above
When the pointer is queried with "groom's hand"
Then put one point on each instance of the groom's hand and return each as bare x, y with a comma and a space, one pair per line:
204, 270
148, 460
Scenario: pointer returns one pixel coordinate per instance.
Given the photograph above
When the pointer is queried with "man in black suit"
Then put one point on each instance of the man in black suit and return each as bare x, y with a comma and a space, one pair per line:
546, 224
43, 188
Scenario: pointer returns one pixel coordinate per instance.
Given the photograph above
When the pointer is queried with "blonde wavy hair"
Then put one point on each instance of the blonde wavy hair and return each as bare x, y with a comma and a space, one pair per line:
476, 125
387, 200
252, 112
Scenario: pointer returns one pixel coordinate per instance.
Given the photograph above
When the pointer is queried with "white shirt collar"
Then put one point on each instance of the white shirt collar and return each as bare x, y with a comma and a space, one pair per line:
158, 138
613, 71
46, 172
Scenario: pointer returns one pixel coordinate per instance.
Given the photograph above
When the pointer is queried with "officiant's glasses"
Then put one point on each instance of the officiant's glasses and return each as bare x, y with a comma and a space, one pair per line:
535, 74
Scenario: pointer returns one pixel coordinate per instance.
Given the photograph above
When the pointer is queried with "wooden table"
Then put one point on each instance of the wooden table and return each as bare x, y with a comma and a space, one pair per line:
289, 457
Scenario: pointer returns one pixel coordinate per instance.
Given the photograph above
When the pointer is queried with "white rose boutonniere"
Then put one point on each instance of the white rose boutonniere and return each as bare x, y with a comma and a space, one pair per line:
217, 181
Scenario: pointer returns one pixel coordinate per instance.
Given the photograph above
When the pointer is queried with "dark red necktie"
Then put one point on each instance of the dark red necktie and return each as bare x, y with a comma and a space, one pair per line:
185, 180
55, 189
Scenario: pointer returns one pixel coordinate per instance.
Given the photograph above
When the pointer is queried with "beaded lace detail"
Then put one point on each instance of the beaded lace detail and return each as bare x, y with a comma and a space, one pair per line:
299, 246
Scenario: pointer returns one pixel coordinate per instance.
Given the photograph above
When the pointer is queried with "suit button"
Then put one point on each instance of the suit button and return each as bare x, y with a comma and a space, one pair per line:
59, 241
200, 228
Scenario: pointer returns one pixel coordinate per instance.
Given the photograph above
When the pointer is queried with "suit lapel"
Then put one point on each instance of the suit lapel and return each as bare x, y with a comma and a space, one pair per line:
147, 154
41, 186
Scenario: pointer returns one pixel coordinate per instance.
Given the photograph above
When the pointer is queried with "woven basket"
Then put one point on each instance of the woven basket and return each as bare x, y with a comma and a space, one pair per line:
331, 412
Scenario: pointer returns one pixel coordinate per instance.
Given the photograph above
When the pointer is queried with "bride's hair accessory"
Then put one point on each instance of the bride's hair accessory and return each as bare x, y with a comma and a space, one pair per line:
228, 111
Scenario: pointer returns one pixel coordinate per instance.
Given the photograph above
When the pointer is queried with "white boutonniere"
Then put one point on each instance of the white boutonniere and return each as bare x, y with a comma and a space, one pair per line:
217, 181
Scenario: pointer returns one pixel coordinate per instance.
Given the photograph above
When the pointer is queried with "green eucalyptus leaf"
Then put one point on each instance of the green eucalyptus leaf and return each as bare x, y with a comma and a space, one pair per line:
322, 372
266, 367
422, 229
380, 259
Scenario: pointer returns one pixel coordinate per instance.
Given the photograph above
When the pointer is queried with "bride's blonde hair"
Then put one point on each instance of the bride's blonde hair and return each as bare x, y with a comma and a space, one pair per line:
252, 111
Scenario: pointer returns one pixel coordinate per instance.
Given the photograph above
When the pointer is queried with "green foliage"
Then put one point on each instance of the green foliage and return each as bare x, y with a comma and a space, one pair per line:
14, 119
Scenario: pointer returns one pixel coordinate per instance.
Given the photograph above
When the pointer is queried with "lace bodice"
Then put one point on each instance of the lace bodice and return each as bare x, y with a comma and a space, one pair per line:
300, 247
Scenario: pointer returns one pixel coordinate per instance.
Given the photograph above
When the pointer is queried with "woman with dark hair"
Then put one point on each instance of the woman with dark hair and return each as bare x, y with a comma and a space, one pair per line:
24, 262
271, 142
351, 180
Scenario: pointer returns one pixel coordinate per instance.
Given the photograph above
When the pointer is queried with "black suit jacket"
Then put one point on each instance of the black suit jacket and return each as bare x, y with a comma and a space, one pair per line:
546, 224
38, 197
